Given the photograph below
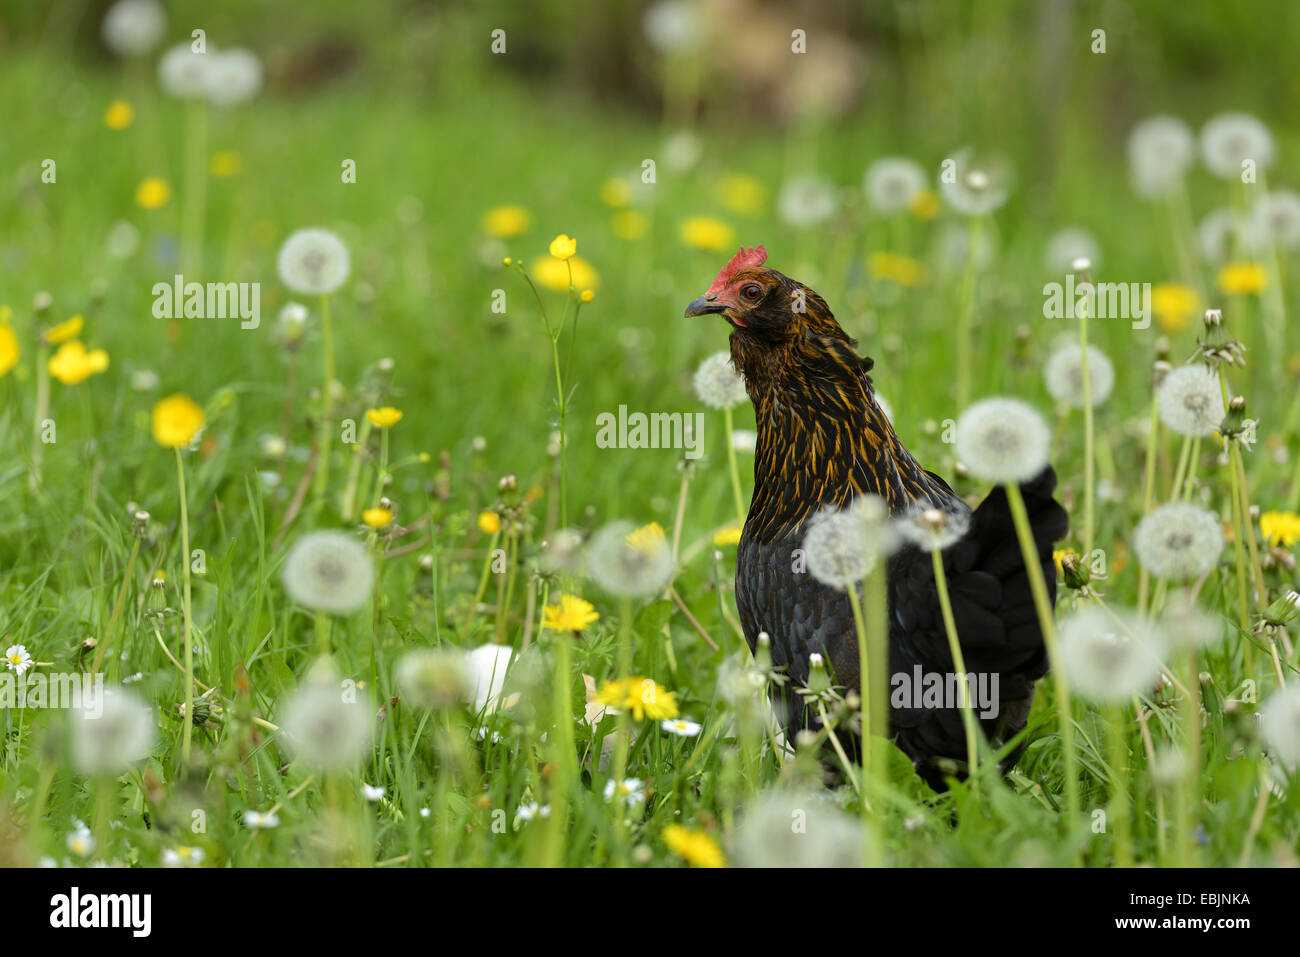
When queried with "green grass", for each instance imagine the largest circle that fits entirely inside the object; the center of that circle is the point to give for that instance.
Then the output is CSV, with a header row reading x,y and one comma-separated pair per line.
x,y
430,161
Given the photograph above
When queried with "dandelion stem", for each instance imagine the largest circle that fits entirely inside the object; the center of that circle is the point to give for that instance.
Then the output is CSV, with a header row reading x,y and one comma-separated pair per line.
x,y
1089,459
1149,494
188,613
959,664
42,411
1119,798
731,464
1257,818
325,427
964,316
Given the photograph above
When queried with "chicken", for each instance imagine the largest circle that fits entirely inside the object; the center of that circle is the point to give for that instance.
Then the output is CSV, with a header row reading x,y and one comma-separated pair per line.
x,y
823,441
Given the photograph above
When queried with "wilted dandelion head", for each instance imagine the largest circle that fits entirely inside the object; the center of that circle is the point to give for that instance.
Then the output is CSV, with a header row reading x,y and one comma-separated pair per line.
x,y
977,186
1003,440
1108,660
327,725
1230,139
1160,149
433,677
628,562
117,738
891,183
717,382
313,262
329,571
1179,541
233,76
929,527
1280,725
1064,374
797,829
184,73
1186,626
133,27
1190,400
1275,218
842,547
1067,246
806,201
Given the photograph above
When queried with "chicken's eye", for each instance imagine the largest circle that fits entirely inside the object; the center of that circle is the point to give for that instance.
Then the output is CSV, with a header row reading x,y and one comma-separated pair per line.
x,y
752,291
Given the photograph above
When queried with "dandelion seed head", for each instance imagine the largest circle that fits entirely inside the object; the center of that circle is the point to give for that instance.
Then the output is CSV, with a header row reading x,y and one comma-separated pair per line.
x,y
1187,627
1072,250
842,547
1229,139
1190,401
1179,541
1064,374
1108,660
1160,149
233,76
329,571
829,838
929,527
433,677
630,569
183,73
891,183
123,734
314,262
674,26
718,384
325,728
133,27
1280,725
1275,218
977,186
1003,440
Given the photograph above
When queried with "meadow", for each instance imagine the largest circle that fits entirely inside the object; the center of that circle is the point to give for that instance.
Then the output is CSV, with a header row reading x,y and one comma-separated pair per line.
x,y
365,584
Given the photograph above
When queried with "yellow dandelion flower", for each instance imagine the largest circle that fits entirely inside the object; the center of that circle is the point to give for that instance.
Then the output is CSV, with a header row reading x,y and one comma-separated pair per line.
x,y
489,522
1242,279
629,224
506,222
571,614
615,192
695,847
377,517
710,235
742,194
119,115
65,331
553,274
729,535
562,247
643,697
176,420
1057,556
152,193
587,295
73,364
896,267
647,538
924,205
1280,528
384,417
1174,304
225,164
9,349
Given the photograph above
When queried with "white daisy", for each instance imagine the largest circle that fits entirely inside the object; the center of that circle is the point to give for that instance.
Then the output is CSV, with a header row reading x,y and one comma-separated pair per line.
x,y
1064,374
372,792
1160,149
182,856
329,571
681,727
325,728
1179,541
1105,660
718,384
744,440
17,659
632,790
81,842
1003,440
314,262
257,820
891,183
1190,400
133,27
1230,139
532,811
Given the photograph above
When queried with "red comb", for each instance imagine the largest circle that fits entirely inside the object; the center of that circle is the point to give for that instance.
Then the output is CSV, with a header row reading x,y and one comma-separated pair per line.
x,y
744,259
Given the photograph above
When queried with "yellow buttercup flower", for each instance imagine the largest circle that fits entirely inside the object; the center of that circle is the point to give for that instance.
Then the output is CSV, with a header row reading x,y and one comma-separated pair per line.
x,y
1174,304
896,267
9,349
1280,528
615,192
506,222
695,847
571,614
65,331
710,235
924,205
647,538
176,420
377,517
586,296
225,164
1242,279
152,193
489,522
384,417
644,697
562,247
73,363
629,224
119,115
730,535
742,194
553,274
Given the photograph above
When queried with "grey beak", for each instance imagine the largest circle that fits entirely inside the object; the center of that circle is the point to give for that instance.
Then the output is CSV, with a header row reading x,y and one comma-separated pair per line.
x,y
704,306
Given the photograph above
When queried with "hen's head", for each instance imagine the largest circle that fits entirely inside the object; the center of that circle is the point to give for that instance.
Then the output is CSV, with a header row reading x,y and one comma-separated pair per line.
x,y
770,313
